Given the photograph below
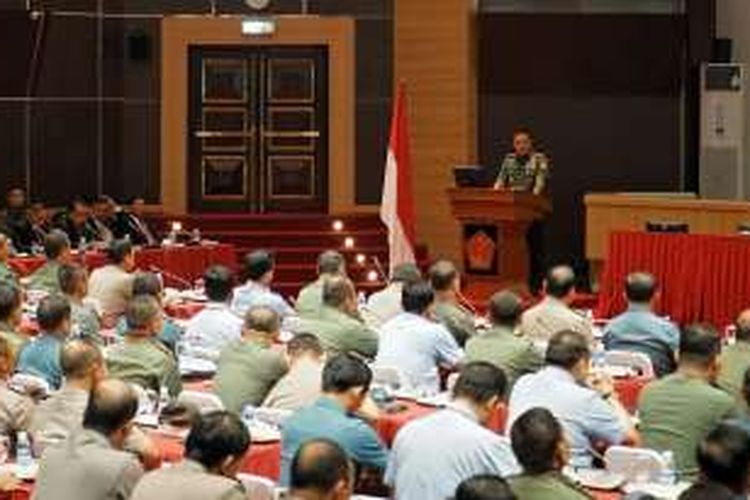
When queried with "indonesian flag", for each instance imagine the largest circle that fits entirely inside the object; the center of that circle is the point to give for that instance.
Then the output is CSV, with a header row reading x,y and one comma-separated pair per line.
x,y
397,204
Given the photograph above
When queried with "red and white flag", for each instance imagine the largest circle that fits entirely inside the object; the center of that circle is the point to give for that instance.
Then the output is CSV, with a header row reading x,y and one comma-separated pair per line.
x,y
397,204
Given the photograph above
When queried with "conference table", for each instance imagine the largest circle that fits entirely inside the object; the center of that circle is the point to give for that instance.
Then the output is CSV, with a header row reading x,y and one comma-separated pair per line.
x,y
180,265
702,278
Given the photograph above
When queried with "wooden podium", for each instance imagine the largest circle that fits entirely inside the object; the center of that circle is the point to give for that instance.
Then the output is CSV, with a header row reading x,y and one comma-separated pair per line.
x,y
494,226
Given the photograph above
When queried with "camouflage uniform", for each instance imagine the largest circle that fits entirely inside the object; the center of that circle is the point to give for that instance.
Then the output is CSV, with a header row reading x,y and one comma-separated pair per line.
x,y
524,174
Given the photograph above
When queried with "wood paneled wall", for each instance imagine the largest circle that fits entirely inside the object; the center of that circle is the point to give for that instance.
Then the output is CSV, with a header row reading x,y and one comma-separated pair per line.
x,y
435,56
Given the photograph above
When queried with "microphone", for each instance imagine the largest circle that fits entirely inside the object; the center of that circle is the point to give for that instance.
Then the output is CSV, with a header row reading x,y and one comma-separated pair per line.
x,y
379,269
466,303
170,276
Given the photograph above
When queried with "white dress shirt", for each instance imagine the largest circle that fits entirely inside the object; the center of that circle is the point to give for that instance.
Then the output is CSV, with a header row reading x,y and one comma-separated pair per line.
x,y
212,329
386,304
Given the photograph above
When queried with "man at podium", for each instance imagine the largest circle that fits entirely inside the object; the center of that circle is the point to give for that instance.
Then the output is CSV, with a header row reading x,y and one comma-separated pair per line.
x,y
524,169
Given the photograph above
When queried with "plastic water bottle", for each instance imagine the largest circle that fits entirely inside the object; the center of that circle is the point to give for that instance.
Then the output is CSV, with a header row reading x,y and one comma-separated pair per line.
x,y
361,301
668,474
24,457
248,414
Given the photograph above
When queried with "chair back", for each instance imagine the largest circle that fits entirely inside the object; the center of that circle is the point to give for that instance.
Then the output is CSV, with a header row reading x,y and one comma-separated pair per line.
x,y
258,487
273,416
637,465
390,376
631,359
204,402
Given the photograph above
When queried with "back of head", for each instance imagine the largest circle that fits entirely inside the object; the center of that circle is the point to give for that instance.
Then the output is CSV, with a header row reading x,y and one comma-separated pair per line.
x,y
52,312
71,276
479,382
724,457
344,372
256,264
417,297
535,438
484,487
566,349
561,280
320,466
55,243
331,263
699,345
218,282
262,319
215,437
337,290
147,284
640,287
119,250
304,344
505,309
78,358
742,326
112,405
141,312
443,275
406,273
10,300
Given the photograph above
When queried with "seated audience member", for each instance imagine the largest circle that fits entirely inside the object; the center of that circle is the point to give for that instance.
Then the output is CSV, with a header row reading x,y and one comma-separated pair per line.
x,y
214,453
84,319
735,359
7,275
346,380
248,368
386,303
724,460
216,326
553,313
321,471
589,414
742,418
676,412
91,463
484,487
446,281
257,275
112,285
500,345
16,220
151,285
57,252
11,316
76,222
16,409
39,217
41,356
140,232
540,447
300,387
103,218
310,299
432,455
415,345
339,325
640,330
141,358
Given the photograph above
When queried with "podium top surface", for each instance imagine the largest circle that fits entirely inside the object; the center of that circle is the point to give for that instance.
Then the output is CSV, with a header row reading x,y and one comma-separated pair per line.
x,y
497,204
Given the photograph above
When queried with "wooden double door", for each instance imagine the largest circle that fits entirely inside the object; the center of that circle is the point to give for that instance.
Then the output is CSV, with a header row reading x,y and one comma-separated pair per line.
x,y
258,131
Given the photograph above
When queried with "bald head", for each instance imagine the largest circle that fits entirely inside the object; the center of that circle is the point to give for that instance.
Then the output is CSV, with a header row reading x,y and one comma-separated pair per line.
x,y
505,309
443,276
331,263
262,320
560,281
321,469
640,287
79,359
111,407
742,325
338,291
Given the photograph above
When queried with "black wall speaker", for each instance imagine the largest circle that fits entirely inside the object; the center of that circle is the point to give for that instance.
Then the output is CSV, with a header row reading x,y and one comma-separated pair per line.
x,y
722,50
139,46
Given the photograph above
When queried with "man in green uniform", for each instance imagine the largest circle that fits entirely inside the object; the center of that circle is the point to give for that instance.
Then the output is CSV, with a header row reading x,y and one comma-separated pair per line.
x,y
735,359
446,281
310,299
57,252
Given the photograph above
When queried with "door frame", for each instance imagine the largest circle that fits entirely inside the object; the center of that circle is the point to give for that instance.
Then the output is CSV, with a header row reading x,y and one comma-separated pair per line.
x,y
178,33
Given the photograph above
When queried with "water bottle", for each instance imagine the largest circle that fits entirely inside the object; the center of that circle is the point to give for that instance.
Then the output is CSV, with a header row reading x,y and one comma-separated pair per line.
x,y
248,415
82,244
164,398
24,457
361,301
668,474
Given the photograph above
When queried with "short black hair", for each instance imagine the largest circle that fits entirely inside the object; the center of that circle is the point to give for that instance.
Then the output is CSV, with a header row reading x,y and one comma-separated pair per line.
x,y
484,487
566,348
442,275
331,262
505,308
69,275
640,287
10,300
262,319
257,264
55,243
319,465
141,311
112,405
216,436
479,382
218,282
78,356
343,372
119,250
147,283
52,311
336,290
535,436
699,344
724,456
561,280
302,343
417,297
406,273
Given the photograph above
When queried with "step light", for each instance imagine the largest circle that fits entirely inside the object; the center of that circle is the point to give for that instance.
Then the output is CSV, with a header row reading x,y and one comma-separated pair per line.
x,y
338,225
348,242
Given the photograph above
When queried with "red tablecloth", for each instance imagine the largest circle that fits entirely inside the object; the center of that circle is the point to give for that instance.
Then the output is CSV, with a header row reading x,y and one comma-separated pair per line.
x,y
701,277
187,263
629,389
184,310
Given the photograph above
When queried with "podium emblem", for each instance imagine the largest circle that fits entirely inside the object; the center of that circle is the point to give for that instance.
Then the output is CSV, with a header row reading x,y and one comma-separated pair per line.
x,y
480,249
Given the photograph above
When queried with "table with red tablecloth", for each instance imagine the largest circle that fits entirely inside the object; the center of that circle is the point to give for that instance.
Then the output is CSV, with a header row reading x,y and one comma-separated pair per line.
x,y
185,263
629,390
702,277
